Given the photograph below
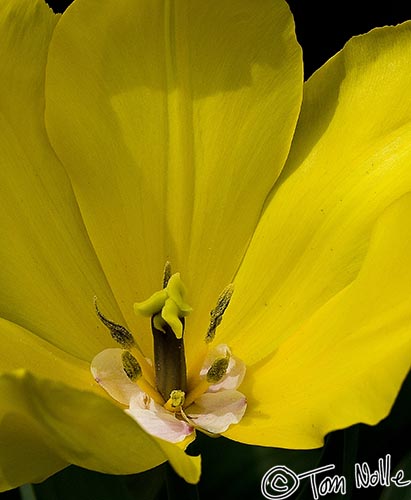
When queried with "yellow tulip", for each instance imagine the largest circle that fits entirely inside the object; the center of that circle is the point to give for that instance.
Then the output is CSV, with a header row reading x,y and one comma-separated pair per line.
x,y
136,132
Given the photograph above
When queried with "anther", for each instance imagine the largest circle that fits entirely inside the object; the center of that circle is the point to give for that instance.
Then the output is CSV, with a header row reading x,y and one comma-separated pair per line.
x,y
175,401
216,315
214,375
217,370
166,274
119,333
131,366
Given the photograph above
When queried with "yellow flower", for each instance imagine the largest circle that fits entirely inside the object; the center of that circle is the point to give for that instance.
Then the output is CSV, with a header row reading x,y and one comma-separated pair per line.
x,y
135,132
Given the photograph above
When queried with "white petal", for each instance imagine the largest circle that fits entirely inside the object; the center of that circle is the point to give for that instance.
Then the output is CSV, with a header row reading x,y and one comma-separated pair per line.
x,y
215,412
157,421
107,370
235,371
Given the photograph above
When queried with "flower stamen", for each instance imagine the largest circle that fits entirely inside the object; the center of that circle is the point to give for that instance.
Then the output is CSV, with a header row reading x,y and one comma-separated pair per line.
x,y
133,371
218,369
214,374
118,332
216,315
126,340
198,391
131,366
166,274
175,401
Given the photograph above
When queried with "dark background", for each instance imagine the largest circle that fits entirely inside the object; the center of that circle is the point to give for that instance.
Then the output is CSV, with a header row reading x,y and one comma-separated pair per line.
x,y
322,29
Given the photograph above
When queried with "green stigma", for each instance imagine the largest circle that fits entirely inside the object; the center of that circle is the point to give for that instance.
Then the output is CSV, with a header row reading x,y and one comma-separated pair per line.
x,y
167,307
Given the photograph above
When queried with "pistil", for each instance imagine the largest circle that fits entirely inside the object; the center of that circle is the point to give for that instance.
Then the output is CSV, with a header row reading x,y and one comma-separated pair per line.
x,y
169,360
167,310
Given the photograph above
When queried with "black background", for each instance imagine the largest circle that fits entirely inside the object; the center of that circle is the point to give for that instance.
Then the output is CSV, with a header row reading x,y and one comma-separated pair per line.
x,y
324,27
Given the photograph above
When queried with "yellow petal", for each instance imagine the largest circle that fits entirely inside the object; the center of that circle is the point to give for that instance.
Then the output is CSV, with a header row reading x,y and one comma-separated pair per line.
x,y
25,454
346,364
49,272
21,348
350,159
186,466
173,120
78,427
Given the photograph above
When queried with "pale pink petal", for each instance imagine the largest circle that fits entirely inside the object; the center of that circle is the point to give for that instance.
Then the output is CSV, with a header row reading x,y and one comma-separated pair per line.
x,y
107,370
235,371
157,421
215,412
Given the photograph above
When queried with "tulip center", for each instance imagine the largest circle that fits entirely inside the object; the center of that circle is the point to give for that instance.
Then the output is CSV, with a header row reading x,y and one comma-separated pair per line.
x,y
156,392
167,309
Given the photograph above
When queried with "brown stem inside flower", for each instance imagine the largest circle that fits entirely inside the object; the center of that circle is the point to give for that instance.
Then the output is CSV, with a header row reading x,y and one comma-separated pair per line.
x,y
169,360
